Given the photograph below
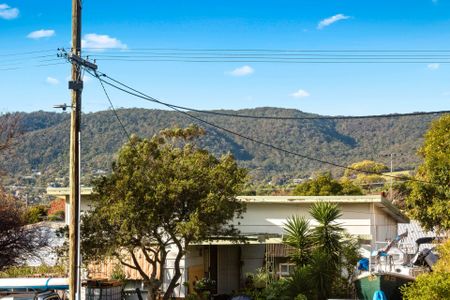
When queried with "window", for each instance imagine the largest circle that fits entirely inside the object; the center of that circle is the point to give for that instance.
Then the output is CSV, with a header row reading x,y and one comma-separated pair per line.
x,y
286,269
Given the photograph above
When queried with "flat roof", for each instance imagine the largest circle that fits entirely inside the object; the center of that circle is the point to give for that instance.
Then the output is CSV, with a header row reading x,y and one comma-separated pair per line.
x,y
378,200
312,199
65,191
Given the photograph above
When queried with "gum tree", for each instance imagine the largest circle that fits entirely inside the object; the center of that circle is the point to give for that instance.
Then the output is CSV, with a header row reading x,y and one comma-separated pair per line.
x,y
429,203
162,192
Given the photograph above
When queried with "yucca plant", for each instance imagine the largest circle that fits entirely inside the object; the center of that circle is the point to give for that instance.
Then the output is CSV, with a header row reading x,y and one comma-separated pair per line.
x,y
297,235
327,234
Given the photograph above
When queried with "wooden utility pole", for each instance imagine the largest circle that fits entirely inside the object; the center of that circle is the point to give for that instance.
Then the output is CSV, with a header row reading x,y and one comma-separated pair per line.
x,y
76,85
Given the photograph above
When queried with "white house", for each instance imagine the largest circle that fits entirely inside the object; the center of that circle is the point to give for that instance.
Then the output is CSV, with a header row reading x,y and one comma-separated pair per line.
x,y
371,218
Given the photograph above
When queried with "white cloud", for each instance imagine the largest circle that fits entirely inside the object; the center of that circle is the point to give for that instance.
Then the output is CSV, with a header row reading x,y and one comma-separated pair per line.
x,y
433,66
300,94
242,71
328,21
101,42
43,33
7,12
52,80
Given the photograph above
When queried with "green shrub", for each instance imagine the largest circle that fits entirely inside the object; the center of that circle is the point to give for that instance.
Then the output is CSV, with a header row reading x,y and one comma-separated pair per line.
x,y
57,216
35,214
118,273
434,285
28,271
428,287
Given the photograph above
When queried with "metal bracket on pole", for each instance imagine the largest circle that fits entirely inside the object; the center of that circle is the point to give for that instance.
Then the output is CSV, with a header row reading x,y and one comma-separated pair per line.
x,y
81,61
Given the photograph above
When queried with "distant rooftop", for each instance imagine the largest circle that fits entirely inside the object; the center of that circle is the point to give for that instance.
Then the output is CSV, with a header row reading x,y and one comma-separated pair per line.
x,y
65,191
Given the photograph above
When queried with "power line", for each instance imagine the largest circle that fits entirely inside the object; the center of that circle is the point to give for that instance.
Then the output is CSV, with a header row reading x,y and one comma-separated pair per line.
x,y
112,107
270,61
292,56
25,53
273,50
203,55
35,66
218,113
28,58
144,96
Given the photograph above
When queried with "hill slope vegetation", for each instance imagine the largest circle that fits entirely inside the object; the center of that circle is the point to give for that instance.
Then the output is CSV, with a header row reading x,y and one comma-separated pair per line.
x,y
44,143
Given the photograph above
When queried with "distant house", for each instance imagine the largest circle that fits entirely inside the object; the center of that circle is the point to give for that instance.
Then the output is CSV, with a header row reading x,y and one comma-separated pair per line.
x,y
371,218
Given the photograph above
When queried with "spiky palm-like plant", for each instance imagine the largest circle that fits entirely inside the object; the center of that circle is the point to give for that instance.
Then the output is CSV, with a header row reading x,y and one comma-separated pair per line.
x,y
297,235
327,238
327,234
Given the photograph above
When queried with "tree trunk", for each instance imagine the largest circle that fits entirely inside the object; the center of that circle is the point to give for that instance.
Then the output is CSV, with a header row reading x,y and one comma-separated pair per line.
x,y
151,287
177,275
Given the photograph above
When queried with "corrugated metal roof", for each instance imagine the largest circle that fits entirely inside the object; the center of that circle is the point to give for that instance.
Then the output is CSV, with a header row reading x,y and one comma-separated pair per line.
x,y
415,231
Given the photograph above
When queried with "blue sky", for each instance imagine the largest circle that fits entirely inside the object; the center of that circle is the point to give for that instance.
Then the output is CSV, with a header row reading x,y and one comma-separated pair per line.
x,y
333,89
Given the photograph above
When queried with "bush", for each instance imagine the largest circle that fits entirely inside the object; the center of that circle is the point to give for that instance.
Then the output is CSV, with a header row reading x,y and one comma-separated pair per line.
x,y
35,214
325,185
57,216
428,287
118,273
434,285
27,271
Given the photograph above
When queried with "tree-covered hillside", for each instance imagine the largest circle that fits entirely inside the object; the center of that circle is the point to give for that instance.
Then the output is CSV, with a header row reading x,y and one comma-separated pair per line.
x,y
44,143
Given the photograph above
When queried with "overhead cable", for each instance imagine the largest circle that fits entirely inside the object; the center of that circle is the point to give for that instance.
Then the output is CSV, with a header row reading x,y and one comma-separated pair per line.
x,y
112,106
218,113
129,90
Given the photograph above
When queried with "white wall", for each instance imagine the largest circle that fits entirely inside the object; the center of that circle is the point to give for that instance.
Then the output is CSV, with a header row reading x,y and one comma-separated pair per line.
x,y
270,217
386,227
85,205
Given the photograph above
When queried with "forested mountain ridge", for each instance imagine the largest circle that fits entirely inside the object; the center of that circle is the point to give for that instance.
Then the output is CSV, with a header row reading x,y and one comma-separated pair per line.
x,y
44,143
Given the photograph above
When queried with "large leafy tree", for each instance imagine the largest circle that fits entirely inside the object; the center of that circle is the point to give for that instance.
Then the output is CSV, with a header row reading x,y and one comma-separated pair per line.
x,y
325,185
366,173
433,285
429,203
163,193
365,166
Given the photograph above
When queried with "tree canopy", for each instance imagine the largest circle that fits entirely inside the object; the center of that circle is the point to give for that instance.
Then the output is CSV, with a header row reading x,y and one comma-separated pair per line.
x,y
18,242
325,185
366,173
42,146
433,285
365,166
429,203
162,192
